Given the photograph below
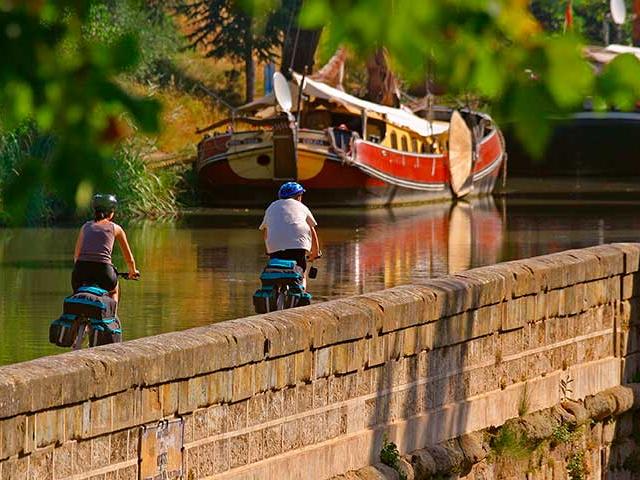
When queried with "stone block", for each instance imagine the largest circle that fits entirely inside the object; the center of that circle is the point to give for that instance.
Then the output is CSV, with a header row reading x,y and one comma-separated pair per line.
x,y
127,409
186,402
119,447
284,371
446,296
237,416
217,419
490,285
631,253
214,458
291,435
258,409
151,402
348,357
410,341
376,350
527,280
596,292
320,393
49,427
322,362
243,382
13,436
246,342
304,366
402,306
132,446
336,422
611,259
275,405
394,343
518,312
358,317
62,461
41,464
169,399
100,451
101,415
289,401
256,446
324,325
272,441
219,387
82,457
200,426
304,397
238,451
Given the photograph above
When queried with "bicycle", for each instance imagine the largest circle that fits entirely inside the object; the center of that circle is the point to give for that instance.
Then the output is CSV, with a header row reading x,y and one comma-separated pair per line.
x,y
282,286
89,311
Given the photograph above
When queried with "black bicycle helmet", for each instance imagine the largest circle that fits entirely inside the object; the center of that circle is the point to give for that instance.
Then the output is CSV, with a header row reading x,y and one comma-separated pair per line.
x,y
104,202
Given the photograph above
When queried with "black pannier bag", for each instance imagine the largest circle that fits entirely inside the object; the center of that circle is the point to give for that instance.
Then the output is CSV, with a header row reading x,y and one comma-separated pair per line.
x,y
92,307
281,282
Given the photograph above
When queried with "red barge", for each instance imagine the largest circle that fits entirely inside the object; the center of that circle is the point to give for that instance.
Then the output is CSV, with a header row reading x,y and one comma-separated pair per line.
x,y
347,152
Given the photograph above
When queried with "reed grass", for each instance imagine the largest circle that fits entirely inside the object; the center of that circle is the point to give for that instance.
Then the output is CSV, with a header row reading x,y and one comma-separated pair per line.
x,y
17,148
142,192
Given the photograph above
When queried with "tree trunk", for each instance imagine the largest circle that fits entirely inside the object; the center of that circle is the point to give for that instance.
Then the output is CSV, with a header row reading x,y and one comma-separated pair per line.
x,y
249,67
250,74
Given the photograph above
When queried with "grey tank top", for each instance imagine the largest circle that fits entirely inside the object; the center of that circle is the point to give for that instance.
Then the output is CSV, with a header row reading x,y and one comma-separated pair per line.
x,y
97,242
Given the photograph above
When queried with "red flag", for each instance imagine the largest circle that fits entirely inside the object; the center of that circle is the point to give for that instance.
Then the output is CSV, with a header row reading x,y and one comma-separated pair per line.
x,y
568,16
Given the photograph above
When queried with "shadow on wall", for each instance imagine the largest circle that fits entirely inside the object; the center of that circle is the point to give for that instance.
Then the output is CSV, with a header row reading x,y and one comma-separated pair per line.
x,y
620,455
435,383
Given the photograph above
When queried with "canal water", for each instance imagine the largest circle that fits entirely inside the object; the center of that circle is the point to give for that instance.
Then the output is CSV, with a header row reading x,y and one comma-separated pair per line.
x,y
206,268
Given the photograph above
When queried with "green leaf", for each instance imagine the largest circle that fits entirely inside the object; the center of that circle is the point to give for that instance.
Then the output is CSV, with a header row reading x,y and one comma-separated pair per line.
x,y
569,77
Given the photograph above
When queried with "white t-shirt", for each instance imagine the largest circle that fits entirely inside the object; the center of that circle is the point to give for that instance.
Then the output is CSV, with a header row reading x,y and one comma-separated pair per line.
x,y
288,225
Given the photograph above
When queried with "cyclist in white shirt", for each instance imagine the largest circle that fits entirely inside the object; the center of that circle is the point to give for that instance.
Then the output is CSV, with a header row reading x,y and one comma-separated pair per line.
x,y
290,228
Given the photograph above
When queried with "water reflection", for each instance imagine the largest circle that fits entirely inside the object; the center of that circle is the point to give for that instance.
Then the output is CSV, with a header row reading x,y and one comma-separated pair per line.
x,y
206,270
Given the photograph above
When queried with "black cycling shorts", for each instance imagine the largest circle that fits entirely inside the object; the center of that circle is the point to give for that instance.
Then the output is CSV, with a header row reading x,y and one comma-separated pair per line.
x,y
297,254
103,275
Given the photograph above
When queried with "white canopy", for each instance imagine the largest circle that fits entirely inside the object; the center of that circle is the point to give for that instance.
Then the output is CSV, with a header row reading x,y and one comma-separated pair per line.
x,y
397,116
606,54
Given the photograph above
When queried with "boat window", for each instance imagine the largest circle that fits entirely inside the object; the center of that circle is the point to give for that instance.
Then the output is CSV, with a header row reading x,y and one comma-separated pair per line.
x,y
405,147
394,141
414,145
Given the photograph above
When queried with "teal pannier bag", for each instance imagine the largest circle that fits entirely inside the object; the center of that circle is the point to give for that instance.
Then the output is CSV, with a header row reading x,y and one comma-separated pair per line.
x,y
89,307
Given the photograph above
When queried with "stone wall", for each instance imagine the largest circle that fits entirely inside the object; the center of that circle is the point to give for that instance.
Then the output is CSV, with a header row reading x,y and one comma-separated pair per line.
x,y
596,438
310,392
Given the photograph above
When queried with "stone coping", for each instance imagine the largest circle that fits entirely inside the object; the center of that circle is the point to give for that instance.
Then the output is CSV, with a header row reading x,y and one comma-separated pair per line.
x,y
74,377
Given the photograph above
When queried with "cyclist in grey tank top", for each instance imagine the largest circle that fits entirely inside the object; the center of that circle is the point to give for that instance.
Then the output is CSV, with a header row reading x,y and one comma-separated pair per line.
x,y
94,246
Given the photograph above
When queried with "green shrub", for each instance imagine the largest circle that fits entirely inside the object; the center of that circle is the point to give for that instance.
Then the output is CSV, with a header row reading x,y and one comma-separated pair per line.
x,y
390,456
20,150
158,37
575,467
562,433
510,442
142,192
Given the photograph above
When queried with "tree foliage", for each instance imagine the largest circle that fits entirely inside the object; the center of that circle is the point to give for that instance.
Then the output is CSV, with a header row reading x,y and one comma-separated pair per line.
x,y
495,49
234,29
592,20
62,80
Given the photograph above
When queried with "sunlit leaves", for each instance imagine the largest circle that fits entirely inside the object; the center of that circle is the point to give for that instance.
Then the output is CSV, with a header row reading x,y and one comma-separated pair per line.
x,y
619,83
61,79
495,49
569,78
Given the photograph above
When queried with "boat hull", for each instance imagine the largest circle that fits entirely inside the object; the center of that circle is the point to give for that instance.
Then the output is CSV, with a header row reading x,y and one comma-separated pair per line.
x,y
371,175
